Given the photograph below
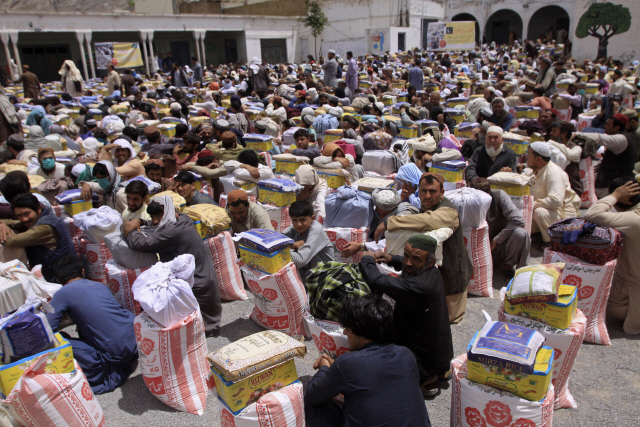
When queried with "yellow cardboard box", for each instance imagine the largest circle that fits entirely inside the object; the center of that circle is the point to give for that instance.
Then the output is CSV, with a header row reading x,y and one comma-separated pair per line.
x,y
259,145
267,263
449,175
270,196
333,178
365,84
206,232
240,394
167,129
333,135
77,207
557,314
527,114
356,116
63,120
195,121
59,361
518,147
532,387
513,190
387,101
592,88
406,132
287,167
452,104
458,117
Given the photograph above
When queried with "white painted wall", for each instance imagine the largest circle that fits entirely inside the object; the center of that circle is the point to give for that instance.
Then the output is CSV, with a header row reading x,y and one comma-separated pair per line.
x,y
622,46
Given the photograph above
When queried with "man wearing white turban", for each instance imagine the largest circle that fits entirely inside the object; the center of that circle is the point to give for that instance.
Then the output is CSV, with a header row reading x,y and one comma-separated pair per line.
x,y
71,79
553,197
123,156
492,157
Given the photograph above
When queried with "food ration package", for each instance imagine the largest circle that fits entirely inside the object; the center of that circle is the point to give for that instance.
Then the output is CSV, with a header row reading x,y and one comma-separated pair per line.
x,y
267,241
506,346
536,283
26,331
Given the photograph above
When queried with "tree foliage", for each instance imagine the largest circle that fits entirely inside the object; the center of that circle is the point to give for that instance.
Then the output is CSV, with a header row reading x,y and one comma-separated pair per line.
x,y
609,17
316,18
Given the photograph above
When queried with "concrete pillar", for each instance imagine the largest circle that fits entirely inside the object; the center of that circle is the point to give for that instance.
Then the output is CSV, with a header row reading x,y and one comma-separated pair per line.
x,y
151,57
5,42
16,54
204,57
87,38
196,36
143,36
80,37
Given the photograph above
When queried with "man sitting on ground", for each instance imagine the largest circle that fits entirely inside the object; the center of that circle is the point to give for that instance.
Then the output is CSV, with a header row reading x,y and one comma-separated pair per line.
x,y
373,365
48,168
311,244
137,192
421,319
43,235
302,138
246,215
492,157
186,187
106,348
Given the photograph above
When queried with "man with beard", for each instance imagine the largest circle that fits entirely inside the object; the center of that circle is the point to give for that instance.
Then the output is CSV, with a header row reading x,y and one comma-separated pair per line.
x,y
137,192
190,145
492,157
421,319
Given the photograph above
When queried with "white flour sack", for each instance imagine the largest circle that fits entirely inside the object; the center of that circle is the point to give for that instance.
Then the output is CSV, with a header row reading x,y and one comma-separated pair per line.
x,y
96,255
594,284
341,236
173,361
279,299
472,205
120,280
279,216
477,405
42,399
97,223
282,408
566,344
327,335
476,241
225,263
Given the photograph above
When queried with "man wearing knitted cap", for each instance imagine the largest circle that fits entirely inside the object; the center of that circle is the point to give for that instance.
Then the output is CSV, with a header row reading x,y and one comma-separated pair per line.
x,y
438,212
492,157
246,215
421,319
48,168
227,149
552,194
618,159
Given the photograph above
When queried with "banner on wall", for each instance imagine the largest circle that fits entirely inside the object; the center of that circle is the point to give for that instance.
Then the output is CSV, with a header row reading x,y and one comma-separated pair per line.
x,y
378,41
120,55
451,35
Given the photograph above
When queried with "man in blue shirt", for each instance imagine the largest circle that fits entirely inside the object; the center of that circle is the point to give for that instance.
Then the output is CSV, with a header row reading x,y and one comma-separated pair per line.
x,y
380,381
416,76
106,348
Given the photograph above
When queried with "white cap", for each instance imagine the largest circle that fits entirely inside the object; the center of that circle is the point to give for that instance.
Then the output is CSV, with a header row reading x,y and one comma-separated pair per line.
x,y
495,129
332,51
542,148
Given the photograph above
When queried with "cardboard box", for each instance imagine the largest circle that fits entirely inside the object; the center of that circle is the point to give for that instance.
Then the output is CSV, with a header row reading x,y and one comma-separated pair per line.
x,y
518,147
77,207
532,387
240,394
513,190
195,121
365,84
557,314
206,232
528,114
59,361
259,142
333,135
333,177
368,185
458,116
592,88
167,129
455,102
387,101
267,263
406,132
356,116
278,198
449,175
287,167
63,120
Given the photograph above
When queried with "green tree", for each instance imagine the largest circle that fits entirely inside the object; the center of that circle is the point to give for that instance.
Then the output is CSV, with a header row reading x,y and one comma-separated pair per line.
x,y
610,18
316,20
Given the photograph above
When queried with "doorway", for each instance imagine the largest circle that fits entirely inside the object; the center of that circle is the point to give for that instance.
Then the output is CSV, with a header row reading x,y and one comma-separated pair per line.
x,y
180,53
45,61
230,51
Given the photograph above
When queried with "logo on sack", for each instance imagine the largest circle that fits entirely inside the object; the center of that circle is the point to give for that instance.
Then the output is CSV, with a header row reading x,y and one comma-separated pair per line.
x,y
114,285
155,385
270,294
341,244
327,341
331,235
86,392
146,346
253,285
92,256
136,329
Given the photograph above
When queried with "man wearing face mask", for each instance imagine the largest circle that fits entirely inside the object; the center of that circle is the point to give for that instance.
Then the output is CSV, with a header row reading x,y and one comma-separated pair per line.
x,y
492,157
48,168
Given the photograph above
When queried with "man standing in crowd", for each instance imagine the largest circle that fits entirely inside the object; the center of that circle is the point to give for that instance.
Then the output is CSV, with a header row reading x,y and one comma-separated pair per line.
x,y
352,74
330,68
30,83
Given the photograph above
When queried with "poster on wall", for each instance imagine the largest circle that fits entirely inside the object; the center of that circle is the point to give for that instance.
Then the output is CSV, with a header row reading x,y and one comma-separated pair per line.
x,y
120,55
451,35
378,41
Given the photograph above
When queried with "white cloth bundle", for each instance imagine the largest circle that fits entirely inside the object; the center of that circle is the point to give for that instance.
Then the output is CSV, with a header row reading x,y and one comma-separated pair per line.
x,y
18,284
472,206
124,255
97,223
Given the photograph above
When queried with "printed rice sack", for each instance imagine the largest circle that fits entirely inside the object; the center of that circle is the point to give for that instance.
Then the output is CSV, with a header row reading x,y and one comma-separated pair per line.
x,y
279,299
284,407
41,399
584,121
477,405
97,255
26,331
525,205
594,284
225,263
340,237
588,179
327,335
119,280
476,241
566,344
173,361
536,283
472,204
280,218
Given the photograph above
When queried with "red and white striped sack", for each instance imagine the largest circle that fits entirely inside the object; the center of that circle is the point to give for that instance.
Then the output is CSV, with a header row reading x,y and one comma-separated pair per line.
x,y
341,236
173,361
282,408
525,205
584,121
97,256
476,241
565,114
327,335
280,299
588,178
565,342
74,232
594,285
42,399
119,280
279,216
206,189
267,157
228,278
475,405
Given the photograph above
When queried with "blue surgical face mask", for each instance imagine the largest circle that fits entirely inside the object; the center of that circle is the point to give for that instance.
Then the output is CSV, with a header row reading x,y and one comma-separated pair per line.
x,y
48,163
103,183
581,91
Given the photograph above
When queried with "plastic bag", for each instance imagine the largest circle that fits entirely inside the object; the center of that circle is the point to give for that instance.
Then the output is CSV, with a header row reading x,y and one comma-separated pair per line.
x,y
162,295
97,223
26,331
124,255
348,208
472,205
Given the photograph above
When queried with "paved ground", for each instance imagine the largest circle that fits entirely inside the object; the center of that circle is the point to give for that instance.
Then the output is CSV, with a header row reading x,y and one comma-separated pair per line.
x,y
605,380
